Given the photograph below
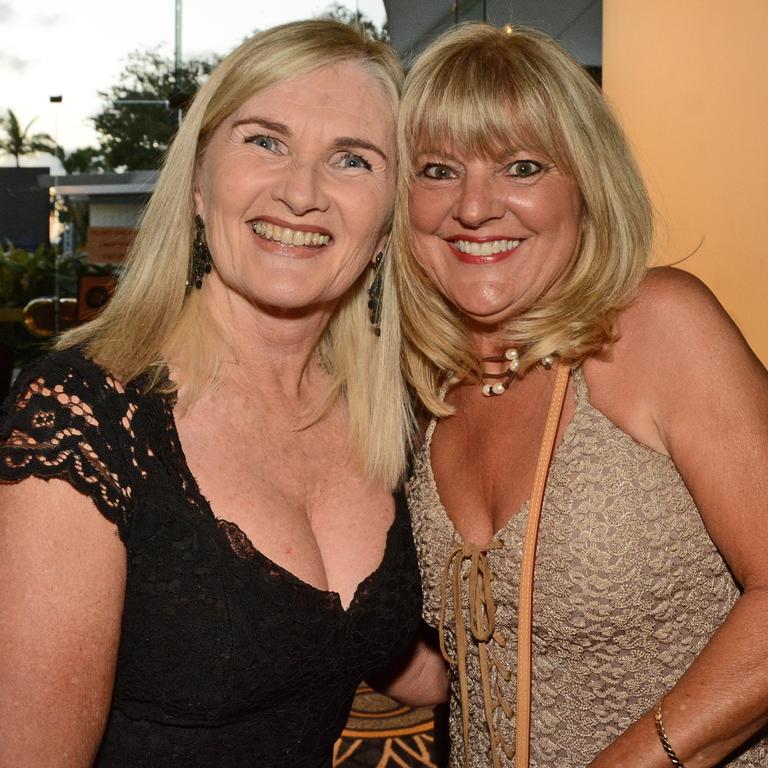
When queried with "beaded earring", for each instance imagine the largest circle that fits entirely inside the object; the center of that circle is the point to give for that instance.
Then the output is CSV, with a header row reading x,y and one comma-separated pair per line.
x,y
200,261
374,294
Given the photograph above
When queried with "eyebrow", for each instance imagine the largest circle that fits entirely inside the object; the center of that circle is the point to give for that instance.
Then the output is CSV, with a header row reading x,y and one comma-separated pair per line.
x,y
342,142
350,142
271,125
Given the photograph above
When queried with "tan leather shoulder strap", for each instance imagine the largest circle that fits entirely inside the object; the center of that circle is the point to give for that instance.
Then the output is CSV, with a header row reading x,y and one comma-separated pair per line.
x,y
525,614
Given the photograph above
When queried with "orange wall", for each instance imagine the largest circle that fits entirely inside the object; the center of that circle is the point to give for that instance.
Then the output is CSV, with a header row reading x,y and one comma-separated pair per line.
x,y
689,81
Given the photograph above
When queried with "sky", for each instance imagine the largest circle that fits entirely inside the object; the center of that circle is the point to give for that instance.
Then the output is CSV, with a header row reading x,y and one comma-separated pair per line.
x,y
76,48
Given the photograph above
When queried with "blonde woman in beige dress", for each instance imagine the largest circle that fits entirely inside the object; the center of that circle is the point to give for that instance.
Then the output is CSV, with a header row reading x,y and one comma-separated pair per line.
x,y
523,236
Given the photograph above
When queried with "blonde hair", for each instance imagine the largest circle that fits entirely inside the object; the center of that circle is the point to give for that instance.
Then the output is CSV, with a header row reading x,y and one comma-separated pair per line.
x,y
484,91
151,317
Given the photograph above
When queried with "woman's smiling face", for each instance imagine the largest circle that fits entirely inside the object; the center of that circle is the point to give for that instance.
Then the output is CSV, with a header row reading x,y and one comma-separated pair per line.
x,y
296,188
493,234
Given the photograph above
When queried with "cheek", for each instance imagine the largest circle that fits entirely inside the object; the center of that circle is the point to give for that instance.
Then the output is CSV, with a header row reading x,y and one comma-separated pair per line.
x,y
427,210
365,210
564,211
425,254
230,184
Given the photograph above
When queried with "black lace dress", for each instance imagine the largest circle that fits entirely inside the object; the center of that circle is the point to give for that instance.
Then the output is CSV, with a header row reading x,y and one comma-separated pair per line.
x,y
226,659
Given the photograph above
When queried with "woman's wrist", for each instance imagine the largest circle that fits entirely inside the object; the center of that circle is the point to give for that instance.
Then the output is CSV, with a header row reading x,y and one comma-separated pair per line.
x,y
658,720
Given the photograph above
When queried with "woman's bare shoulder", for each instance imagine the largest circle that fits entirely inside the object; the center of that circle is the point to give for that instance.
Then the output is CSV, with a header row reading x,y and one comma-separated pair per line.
x,y
675,345
674,319
670,299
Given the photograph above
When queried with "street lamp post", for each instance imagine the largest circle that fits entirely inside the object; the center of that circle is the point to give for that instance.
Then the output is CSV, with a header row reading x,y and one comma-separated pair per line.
x,y
178,36
56,257
178,51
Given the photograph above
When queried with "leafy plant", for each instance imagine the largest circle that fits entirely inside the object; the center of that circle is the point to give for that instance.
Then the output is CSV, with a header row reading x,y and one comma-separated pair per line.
x,y
141,112
27,275
18,141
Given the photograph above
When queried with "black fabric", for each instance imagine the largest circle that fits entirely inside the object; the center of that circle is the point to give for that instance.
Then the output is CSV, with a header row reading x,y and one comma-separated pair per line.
x,y
226,659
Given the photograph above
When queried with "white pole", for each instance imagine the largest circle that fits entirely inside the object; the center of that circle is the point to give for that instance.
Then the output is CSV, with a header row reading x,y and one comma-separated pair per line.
x,y
178,50
178,35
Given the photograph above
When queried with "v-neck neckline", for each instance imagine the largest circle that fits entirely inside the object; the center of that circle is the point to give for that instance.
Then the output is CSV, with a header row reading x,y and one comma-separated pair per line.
x,y
195,492
521,513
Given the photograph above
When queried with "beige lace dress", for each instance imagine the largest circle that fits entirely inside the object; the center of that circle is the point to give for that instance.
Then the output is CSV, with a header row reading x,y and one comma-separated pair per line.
x,y
628,590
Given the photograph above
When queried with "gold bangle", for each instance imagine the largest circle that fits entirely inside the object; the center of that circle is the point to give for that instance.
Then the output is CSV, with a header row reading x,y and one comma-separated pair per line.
x,y
674,759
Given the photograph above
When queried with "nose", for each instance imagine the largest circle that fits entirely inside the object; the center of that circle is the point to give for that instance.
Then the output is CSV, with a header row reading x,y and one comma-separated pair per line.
x,y
477,201
301,188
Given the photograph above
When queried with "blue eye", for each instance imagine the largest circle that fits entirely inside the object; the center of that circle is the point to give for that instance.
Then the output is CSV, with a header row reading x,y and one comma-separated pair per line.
x,y
525,168
437,171
269,143
348,160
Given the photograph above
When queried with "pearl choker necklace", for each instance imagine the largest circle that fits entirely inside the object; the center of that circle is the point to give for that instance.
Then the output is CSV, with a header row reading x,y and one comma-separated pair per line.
x,y
512,357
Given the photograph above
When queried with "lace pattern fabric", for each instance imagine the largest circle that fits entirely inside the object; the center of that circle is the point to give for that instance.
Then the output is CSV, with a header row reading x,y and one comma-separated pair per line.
x,y
628,590
53,431
225,658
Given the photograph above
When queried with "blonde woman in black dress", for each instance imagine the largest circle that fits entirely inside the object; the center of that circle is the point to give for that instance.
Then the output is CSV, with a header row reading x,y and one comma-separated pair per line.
x,y
200,554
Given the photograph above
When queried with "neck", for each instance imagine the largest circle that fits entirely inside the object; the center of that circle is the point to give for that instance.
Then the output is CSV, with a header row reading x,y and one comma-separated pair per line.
x,y
488,341
270,352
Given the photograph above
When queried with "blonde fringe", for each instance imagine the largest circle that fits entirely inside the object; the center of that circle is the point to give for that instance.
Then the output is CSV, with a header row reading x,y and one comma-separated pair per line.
x,y
562,114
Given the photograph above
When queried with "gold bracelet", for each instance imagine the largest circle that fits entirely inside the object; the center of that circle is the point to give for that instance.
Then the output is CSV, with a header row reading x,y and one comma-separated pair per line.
x,y
674,759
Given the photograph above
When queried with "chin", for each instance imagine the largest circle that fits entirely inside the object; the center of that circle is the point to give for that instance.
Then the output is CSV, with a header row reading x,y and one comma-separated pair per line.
x,y
487,312
287,309
278,293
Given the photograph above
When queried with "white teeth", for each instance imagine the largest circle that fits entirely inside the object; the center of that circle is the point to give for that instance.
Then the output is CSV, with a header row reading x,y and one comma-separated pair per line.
x,y
288,236
485,249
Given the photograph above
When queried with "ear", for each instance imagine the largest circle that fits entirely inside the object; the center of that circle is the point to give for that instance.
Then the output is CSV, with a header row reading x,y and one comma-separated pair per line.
x,y
197,193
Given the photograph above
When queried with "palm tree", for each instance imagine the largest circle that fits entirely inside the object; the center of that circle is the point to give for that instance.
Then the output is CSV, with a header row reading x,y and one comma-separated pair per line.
x,y
19,141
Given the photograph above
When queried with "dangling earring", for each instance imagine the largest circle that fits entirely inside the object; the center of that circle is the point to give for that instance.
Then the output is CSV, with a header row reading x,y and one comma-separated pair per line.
x,y
374,294
200,261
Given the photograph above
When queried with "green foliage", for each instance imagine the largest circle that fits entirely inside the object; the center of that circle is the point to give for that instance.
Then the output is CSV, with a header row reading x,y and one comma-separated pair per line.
x,y
17,141
356,19
81,160
135,136
27,275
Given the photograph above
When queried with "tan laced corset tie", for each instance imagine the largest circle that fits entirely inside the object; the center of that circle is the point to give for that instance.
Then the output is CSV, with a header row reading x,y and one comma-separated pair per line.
x,y
482,625
482,611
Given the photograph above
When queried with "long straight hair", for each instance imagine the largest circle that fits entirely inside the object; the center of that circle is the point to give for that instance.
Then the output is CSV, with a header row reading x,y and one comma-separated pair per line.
x,y
151,317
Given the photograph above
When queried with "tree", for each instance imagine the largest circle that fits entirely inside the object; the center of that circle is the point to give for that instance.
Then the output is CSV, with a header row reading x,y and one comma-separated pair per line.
x,y
356,19
81,160
18,141
141,112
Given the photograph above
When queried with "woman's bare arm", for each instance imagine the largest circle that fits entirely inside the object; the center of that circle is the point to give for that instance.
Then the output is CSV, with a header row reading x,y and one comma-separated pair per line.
x,y
62,571
420,677
707,395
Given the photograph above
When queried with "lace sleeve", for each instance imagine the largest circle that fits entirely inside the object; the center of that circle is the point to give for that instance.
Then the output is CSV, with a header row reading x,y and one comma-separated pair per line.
x,y
63,420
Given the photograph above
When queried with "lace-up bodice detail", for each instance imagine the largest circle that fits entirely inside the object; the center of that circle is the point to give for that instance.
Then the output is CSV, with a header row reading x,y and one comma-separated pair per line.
x,y
628,590
225,659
